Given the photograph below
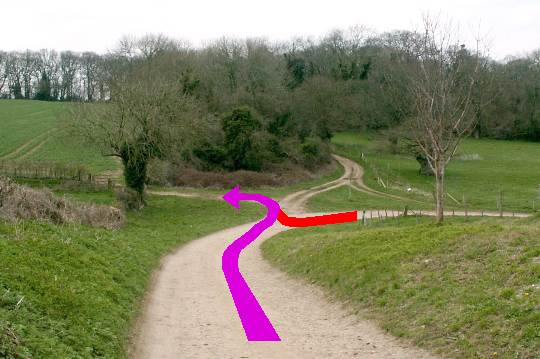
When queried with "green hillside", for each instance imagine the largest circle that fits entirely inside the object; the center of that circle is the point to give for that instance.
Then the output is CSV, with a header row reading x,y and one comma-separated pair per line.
x,y
36,131
480,170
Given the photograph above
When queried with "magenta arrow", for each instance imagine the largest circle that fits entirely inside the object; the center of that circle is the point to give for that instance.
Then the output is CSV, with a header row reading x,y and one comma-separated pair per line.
x,y
256,324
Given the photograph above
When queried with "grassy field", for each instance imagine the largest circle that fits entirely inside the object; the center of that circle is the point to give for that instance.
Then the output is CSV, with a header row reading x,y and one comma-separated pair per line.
x,y
73,291
345,199
34,131
481,169
466,290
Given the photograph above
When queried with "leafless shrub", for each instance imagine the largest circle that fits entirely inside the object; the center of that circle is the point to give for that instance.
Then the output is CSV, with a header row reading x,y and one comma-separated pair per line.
x,y
20,202
129,198
194,178
276,176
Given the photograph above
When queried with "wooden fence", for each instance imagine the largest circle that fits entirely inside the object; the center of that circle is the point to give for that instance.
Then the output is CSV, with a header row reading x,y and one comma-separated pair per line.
x,y
44,170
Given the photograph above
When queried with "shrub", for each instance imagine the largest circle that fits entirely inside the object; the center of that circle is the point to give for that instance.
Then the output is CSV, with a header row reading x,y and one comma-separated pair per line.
x,y
212,156
158,172
21,202
129,198
189,177
239,127
314,152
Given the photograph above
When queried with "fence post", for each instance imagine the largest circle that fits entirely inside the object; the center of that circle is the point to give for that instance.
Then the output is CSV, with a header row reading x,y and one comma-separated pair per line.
x,y
350,186
500,202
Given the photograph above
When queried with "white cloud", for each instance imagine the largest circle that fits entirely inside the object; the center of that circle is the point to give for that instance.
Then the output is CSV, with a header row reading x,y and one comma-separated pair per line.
x,y
96,25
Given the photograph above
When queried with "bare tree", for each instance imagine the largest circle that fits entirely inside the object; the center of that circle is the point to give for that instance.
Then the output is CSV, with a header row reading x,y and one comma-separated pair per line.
x,y
89,67
4,71
30,72
442,75
146,118
69,67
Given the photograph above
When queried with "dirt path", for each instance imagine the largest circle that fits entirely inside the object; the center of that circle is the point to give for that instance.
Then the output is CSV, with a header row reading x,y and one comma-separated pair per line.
x,y
189,312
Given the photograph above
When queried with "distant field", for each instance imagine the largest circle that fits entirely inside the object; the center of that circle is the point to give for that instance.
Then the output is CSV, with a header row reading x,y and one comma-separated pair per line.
x,y
33,131
480,170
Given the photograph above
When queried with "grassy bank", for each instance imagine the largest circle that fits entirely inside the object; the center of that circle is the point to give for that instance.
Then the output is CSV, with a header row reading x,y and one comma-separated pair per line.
x,y
465,290
73,291
480,171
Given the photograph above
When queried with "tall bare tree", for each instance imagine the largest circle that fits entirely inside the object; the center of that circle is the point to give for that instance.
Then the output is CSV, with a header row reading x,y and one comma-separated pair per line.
x,y
147,117
442,75
4,71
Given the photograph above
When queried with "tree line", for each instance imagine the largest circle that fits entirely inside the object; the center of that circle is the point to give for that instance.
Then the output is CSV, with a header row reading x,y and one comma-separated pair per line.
x,y
251,104
332,83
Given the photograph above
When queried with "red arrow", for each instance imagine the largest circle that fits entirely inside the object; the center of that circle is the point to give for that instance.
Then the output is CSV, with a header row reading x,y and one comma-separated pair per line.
x,y
317,220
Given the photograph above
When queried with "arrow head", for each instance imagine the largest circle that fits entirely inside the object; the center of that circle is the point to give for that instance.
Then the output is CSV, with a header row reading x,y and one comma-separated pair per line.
x,y
233,197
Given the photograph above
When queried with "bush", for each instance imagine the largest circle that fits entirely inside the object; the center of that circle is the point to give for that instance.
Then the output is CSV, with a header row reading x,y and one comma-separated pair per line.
x,y
189,177
314,152
212,156
239,127
21,202
158,172
130,198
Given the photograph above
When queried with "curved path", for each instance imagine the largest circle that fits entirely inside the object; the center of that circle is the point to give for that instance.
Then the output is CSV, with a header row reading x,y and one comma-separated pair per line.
x,y
189,312
353,176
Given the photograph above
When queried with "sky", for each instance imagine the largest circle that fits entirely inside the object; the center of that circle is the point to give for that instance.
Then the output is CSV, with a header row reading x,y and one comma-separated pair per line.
x,y
508,27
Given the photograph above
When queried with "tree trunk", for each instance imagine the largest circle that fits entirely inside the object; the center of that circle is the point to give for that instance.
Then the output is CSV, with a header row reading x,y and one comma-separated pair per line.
x,y
425,169
439,192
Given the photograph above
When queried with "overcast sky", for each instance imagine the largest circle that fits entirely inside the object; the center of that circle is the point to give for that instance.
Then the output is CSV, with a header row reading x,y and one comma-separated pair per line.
x,y
512,26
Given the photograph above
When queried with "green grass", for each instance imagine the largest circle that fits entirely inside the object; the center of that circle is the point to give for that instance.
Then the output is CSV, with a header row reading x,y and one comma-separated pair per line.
x,y
73,291
345,199
509,166
25,122
21,121
67,149
466,290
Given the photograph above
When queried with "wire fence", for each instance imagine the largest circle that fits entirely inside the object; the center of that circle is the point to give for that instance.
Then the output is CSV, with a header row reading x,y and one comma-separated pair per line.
x,y
53,171
498,200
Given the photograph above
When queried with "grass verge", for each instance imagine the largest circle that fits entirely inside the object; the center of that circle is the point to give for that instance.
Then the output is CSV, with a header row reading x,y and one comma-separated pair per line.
x,y
73,291
465,290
